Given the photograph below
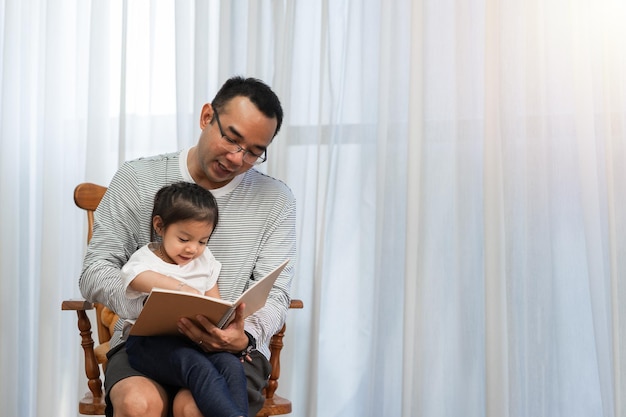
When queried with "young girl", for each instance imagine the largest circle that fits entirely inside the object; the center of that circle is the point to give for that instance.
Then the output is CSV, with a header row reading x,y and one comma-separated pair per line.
x,y
184,217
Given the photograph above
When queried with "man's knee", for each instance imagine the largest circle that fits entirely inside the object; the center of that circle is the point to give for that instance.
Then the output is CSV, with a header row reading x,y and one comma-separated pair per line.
x,y
138,397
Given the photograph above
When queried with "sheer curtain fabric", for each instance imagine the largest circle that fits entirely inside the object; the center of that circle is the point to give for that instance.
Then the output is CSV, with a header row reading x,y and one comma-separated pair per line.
x,y
458,165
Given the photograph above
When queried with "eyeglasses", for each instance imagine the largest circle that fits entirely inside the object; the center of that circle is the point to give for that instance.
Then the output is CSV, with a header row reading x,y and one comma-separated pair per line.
x,y
231,146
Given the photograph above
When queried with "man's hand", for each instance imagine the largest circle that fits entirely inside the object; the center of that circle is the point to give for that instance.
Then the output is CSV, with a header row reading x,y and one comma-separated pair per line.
x,y
212,339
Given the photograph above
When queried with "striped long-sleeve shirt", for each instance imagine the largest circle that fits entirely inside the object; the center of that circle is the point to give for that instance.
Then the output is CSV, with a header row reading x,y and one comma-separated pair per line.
x,y
255,233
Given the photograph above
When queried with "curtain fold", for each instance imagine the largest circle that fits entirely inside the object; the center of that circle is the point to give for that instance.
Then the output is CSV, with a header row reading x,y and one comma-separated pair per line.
x,y
459,169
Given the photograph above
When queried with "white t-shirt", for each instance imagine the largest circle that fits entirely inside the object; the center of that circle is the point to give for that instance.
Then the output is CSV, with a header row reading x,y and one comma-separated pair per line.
x,y
201,273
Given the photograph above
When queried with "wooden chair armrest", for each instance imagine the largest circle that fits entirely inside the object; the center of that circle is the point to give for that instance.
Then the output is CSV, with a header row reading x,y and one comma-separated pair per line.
x,y
76,305
92,370
276,346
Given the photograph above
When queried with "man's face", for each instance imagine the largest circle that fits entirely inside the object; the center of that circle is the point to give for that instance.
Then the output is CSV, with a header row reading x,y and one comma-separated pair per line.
x,y
214,166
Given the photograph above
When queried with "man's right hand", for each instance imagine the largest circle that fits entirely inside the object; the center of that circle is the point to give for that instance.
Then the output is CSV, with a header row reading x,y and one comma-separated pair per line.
x,y
231,338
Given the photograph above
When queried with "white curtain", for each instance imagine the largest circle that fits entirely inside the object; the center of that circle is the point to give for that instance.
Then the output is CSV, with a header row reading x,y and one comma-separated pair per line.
x,y
459,168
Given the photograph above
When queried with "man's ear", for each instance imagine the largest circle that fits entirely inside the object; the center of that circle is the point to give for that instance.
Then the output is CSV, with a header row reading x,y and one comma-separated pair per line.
x,y
206,115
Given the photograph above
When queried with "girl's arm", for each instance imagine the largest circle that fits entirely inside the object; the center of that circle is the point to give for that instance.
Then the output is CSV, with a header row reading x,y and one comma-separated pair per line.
x,y
147,280
213,292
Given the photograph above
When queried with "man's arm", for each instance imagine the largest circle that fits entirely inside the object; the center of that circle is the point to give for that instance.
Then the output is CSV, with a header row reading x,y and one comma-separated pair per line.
x,y
117,234
280,245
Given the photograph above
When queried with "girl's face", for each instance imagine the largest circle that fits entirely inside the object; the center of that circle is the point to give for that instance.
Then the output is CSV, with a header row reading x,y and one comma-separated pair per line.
x,y
183,241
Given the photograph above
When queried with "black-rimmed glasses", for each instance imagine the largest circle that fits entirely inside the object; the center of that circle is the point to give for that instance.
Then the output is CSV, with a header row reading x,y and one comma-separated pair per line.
x,y
231,146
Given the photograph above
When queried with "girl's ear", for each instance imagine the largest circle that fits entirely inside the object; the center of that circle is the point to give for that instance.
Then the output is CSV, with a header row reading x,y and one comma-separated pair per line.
x,y
157,224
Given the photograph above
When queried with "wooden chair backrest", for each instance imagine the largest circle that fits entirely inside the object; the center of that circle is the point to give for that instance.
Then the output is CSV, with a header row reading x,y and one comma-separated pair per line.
x,y
87,196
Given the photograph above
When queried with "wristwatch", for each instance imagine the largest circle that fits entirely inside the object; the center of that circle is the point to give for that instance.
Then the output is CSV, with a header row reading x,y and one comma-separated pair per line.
x,y
251,345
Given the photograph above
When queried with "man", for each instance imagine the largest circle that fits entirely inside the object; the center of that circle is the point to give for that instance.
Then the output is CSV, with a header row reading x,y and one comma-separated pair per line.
x,y
256,232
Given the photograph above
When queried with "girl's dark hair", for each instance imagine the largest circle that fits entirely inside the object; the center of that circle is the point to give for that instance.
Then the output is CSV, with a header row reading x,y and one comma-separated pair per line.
x,y
256,91
183,201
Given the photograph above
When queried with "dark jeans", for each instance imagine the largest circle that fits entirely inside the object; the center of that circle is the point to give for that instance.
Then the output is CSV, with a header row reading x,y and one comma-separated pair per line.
x,y
216,380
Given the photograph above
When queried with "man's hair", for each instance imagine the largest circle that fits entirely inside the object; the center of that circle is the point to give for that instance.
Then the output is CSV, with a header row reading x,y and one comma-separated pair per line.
x,y
256,91
182,201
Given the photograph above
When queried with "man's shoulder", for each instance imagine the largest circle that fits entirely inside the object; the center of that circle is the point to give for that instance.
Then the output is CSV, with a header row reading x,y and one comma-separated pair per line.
x,y
154,159
153,167
144,176
267,183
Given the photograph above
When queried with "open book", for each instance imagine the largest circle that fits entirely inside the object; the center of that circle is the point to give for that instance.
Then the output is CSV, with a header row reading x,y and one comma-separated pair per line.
x,y
163,308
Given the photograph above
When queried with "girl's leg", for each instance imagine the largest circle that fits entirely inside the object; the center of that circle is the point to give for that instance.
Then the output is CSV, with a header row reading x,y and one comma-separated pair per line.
x,y
231,369
175,361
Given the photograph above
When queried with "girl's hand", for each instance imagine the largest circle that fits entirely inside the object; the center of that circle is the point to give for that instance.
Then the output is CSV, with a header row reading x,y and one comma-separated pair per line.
x,y
186,288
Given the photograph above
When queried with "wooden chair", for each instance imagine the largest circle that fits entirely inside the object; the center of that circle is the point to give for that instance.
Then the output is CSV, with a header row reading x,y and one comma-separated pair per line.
x,y
87,196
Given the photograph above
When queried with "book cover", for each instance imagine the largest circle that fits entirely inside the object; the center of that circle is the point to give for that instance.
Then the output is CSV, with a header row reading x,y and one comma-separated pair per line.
x,y
163,308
